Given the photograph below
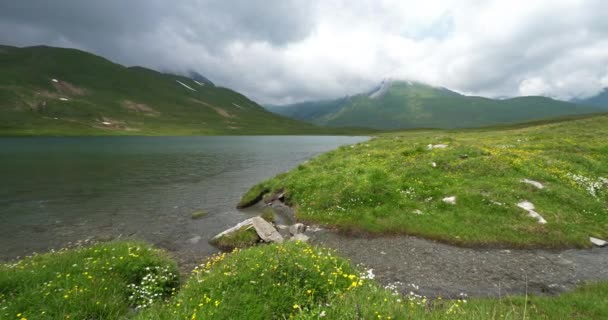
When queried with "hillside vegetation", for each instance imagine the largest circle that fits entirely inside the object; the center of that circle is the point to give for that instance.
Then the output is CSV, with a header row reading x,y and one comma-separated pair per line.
x,y
462,186
402,105
54,91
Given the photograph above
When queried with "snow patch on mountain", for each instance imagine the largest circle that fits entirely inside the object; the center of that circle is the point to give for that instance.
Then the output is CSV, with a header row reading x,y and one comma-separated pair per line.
x,y
185,85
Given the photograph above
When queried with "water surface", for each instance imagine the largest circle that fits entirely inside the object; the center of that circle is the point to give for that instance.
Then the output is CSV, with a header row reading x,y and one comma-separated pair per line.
x,y
54,191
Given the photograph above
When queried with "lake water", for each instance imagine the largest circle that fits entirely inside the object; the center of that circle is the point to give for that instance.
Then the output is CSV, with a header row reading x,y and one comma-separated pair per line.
x,y
54,191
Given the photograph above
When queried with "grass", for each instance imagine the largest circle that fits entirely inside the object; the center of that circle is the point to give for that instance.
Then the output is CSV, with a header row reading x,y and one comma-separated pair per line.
x,y
243,238
199,214
268,215
370,301
390,186
105,281
131,101
292,280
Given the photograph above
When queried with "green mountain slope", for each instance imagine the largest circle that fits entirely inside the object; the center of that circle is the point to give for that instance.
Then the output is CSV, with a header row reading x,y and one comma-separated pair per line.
x,y
600,100
54,91
399,105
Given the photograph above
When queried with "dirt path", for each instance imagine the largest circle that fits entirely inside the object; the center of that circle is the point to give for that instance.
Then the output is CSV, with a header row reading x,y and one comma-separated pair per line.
x,y
433,269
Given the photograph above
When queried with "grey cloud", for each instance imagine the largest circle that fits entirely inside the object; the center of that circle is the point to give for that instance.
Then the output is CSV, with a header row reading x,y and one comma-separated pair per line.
x,y
291,50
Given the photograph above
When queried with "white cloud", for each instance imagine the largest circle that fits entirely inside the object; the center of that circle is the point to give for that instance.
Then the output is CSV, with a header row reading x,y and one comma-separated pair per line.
x,y
287,51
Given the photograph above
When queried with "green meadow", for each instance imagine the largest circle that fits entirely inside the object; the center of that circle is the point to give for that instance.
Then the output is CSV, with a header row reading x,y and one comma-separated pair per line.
x,y
126,280
398,184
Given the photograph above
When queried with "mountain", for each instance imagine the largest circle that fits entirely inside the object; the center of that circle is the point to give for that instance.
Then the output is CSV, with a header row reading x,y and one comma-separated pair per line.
x,y
600,100
407,104
199,79
56,91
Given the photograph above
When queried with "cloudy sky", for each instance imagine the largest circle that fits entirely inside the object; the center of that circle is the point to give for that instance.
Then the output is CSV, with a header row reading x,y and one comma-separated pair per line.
x,y
280,51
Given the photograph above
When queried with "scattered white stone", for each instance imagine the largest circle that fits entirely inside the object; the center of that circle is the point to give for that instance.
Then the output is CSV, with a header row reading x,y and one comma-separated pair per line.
x,y
55,118
497,203
534,183
107,123
417,211
297,229
526,205
313,229
598,242
436,146
54,80
434,164
185,85
529,206
64,99
199,83
449,200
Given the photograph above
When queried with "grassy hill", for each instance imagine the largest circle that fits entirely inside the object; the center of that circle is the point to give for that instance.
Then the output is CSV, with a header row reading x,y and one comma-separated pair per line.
x,y
396,184
402,105
55,91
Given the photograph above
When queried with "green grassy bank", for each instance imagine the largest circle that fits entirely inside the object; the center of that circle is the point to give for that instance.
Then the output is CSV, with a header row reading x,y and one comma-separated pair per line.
x,y
395,184
125,280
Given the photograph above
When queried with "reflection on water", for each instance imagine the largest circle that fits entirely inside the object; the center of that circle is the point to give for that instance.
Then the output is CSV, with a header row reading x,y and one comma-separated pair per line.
x,y
57,190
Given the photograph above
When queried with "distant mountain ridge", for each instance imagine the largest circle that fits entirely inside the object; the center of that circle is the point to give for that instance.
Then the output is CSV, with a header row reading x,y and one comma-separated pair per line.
x,y
600,99
56,91
410,104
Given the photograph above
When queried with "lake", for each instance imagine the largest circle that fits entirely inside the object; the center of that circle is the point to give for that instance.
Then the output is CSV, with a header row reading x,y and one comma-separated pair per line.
x,y
55,191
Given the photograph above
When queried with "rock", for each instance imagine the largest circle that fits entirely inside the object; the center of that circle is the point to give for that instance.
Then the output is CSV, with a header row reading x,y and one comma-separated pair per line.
x,y
534,183
434,164
279,195
198,214
297,229
266,231
598,242
240,226
436,146
300,237
529,206
194,240
314,229
449,200
281,227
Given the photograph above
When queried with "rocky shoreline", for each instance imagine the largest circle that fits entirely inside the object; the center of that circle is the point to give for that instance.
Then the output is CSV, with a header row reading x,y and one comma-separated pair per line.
x,y
412,265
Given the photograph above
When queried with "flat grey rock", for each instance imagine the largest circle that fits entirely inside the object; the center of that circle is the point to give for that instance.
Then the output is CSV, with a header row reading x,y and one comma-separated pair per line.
x,y
266,231
244,224
598,242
